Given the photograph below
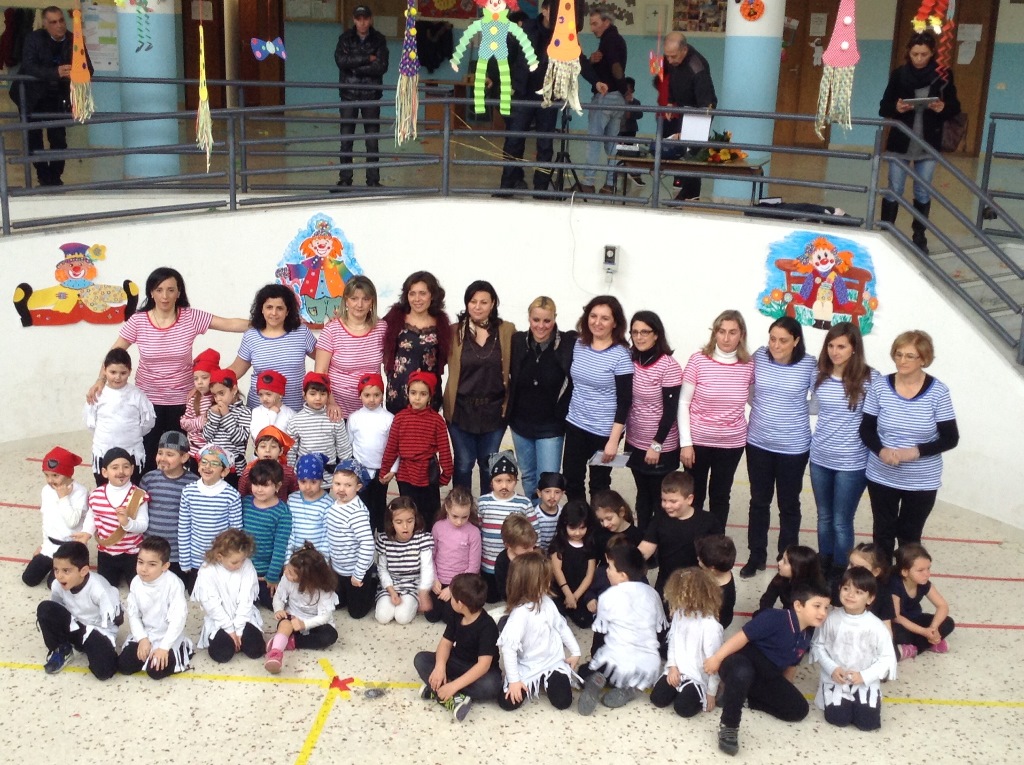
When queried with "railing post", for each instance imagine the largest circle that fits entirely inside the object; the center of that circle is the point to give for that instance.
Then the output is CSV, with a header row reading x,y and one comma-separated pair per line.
x,y
23,114
659,123
990,144
876,167
1020,342
232,181
446,142
241,136
5,203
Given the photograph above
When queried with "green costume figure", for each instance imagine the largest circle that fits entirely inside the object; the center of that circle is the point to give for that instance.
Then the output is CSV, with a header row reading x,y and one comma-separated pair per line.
x,y
494,29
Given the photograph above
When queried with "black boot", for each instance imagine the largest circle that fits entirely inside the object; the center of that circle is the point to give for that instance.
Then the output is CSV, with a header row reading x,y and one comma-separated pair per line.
x,y
920,241
890,209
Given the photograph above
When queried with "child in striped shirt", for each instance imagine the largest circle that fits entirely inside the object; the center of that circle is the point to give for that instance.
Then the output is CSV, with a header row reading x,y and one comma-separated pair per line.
x,y
271,444
268,520
495,507
309,506
550,490
313,430
208,507
227,421
199,402
405,564
351,540
119,512
164,487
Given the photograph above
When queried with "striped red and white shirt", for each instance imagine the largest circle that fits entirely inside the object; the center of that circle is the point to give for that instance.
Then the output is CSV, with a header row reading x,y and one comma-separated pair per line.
x,y
164,373
649,405
103,505
717,409
352,357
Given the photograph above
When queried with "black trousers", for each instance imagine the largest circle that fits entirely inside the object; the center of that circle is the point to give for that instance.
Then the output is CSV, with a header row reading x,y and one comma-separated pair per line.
x,y
358,600
128,663
580,446
749,676
559,692
720,464
188,578
685,701
493,596
167,418
442,609
49,173
375,497
487,688
901,635
263,597
114,568
772,474
55,624
863,716
318,638
899,514
371,125
427,499
38,569
522,118
580,616
222,647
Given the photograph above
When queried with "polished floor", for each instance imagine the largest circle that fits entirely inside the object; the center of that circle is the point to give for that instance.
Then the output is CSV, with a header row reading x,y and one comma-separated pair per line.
x,y
357,701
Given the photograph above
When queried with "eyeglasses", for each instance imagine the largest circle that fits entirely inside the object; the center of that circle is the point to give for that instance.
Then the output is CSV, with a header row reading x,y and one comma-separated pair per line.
x,y
641,332
899,356
211,463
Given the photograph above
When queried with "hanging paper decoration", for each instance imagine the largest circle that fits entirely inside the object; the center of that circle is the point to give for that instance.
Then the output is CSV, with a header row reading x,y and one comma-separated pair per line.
x,y
82,104
494,28
264,49
561,81
840,60
937,16
407,96
752,10
204,122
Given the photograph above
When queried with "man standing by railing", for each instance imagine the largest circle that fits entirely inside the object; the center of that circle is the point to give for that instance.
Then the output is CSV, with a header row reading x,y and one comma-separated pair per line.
x,y
606,71
362,59
47,57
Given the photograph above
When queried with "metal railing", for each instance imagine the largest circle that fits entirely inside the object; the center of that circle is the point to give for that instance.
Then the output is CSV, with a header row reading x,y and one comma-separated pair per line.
x,y
278,154
990,156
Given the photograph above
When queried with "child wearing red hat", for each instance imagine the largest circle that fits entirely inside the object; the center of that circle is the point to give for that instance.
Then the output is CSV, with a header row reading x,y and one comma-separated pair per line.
x,y
199,403
271,444
270,387
419,439
227,421
63,506
368,428
313,430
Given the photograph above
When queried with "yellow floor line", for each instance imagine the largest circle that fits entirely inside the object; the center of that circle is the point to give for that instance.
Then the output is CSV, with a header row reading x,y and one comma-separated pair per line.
x,y
321,716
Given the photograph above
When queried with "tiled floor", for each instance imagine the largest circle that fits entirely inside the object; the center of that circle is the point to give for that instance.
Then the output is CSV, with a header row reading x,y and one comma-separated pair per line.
x,y
965,706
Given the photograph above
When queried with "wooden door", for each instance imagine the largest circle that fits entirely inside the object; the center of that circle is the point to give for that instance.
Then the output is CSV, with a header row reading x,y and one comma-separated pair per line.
x,y
800,70
971,78
213,42
263,19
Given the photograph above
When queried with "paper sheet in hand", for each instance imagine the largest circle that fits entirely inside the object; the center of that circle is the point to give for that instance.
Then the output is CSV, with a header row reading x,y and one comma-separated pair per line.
x,y
619,461
696,127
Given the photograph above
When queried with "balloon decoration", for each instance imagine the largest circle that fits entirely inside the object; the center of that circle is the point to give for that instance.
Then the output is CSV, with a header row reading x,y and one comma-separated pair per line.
x,y
561,81
840,60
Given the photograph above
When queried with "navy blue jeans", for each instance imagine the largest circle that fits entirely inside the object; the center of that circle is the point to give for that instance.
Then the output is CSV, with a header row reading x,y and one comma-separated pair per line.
x,y
472,448
837,494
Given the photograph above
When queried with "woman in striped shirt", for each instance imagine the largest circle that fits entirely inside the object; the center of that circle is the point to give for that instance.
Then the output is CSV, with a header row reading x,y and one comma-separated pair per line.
x,y
712,413
278,340
908,423
164,329
779,437
351,346
838,456
652,435
602,375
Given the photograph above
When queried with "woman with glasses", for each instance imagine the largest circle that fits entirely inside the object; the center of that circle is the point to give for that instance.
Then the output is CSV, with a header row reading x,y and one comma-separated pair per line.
x,y
908,422
652,435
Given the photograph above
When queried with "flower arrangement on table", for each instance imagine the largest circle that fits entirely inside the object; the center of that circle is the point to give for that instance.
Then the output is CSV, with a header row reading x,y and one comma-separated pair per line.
x,y
718,156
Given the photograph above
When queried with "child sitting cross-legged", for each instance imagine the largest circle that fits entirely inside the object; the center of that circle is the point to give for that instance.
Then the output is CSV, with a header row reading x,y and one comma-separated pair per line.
x,y
519,538
157,612
464,668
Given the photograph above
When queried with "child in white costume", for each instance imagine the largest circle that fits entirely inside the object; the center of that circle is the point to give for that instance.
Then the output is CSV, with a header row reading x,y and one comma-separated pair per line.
x,y
535,637
121,415
855,653
630,616
62,505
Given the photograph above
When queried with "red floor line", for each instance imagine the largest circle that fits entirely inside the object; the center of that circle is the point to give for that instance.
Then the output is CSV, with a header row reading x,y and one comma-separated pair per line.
x,y
868,535
15,504
959,625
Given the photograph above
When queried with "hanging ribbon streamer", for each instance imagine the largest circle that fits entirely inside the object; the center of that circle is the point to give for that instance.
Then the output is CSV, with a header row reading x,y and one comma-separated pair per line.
x,y
204,122
561,80
937,16
840,60
407,97
82,104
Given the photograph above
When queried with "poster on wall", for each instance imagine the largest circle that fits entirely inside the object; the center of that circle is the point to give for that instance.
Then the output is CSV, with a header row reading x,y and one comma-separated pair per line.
x,y
699,15
448,9
819,281
100,24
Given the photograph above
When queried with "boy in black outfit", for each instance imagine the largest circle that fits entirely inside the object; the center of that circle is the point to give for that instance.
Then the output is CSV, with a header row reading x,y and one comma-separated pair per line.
x,y
717,556
674,533
630,124
759,662
465,666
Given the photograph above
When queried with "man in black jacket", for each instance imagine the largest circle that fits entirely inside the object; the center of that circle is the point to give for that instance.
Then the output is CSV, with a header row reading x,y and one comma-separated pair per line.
x,y
362,59
47,56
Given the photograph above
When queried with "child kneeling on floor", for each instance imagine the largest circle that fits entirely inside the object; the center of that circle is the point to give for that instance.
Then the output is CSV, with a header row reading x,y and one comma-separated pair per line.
x,y
758,663
303,606
464,668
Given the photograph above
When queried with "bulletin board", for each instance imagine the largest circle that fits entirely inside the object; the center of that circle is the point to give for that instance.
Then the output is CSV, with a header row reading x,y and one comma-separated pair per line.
x,y
326,11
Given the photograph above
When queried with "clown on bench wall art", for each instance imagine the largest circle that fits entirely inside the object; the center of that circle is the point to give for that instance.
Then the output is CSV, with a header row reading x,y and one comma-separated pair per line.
x,y
819,281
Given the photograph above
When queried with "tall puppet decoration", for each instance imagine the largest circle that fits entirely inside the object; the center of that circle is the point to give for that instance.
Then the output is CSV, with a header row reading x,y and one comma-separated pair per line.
x,y
204,121
840,59
494,28
407,98
937,16
561,81
82,105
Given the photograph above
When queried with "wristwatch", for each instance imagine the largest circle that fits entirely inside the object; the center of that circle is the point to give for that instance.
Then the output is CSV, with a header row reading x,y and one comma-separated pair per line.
x,y
656,447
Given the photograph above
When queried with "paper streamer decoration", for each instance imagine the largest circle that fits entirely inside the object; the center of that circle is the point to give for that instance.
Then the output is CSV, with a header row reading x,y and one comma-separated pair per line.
x,y
561,81
937,16
840,60
407,96
494,28
264,49
82,104
204,122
